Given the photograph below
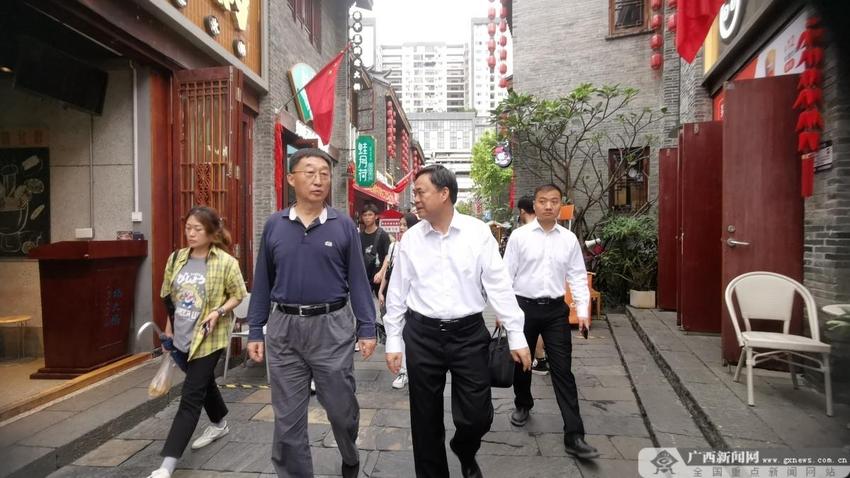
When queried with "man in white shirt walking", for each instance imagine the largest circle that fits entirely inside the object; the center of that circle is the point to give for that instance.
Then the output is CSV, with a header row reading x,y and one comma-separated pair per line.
x,y
446,264
542,256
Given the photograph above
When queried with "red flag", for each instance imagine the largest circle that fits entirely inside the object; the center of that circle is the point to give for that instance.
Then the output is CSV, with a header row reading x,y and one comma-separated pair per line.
x,y
320,93
693,20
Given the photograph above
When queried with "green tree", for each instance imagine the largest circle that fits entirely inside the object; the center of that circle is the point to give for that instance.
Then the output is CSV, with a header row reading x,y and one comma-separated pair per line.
x,y
491,181
465,207
566,141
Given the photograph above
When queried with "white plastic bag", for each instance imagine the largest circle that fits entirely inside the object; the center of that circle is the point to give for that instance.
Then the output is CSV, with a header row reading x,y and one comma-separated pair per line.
x,y
164,377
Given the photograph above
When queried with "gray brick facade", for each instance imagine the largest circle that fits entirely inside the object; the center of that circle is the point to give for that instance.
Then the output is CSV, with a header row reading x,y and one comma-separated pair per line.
x,y
288,45
827,219
559,45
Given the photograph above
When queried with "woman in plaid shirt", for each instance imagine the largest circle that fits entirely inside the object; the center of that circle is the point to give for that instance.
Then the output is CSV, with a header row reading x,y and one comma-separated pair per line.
x,y
205,284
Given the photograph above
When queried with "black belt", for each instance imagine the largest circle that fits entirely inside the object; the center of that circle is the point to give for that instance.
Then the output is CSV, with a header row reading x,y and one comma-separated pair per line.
x,y
445,325
310,310
540,300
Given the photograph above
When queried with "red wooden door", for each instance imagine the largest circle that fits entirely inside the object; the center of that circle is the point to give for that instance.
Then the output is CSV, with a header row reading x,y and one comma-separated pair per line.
x,y
208,107
668,227
701,151
762,207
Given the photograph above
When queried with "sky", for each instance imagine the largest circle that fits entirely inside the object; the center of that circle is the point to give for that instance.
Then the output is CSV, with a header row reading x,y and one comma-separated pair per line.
x,y
401,21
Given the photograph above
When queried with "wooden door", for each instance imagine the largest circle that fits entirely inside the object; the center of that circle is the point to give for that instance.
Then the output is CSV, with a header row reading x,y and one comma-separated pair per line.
x,y
762,206
245,201
206,148
668,227
700,164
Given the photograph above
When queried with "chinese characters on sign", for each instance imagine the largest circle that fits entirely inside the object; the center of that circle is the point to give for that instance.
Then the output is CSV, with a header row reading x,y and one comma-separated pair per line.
x,y
364,161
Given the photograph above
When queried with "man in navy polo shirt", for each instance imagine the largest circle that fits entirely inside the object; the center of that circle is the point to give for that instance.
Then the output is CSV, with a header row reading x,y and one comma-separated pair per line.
x,y
309,264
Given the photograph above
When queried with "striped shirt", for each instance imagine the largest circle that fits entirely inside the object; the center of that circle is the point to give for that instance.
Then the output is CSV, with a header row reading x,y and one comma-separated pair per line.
x,y
223,281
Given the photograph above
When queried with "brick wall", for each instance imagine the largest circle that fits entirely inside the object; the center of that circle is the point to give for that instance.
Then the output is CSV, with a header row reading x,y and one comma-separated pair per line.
x,y
288,45
559,45
827,216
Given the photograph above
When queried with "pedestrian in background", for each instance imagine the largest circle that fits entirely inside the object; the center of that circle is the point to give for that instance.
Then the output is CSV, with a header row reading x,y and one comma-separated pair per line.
x,y
309,264
539,366
407,221
204,284
542,257
448,268
375,242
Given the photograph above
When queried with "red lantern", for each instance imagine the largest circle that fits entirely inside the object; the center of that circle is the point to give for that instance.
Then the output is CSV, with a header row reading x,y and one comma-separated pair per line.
x,y
503,40
503,26
491,45
671,22
491,62
504,13
672,3
503,68
389,104
656,60
491,28
503,54
655,21
655,4
491,13
503,83
656,41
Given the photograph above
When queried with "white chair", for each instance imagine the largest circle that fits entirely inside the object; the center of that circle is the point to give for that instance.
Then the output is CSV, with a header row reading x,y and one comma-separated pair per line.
x,y
770,296
240,313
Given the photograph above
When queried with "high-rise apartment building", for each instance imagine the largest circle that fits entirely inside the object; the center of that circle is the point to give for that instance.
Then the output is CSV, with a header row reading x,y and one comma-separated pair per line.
x,y
428,76
447,139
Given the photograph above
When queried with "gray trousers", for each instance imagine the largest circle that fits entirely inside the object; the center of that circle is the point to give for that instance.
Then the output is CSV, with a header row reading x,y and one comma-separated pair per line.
x,y
321,348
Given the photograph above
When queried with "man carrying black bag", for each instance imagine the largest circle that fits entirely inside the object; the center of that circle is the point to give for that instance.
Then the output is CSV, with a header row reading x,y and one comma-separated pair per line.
x,y
446,264
542,257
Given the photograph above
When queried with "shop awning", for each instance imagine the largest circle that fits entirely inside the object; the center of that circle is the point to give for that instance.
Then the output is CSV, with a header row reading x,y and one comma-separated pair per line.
x,y
379,191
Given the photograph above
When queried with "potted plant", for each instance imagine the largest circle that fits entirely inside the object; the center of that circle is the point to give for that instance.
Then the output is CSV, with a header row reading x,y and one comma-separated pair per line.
x,y
629,264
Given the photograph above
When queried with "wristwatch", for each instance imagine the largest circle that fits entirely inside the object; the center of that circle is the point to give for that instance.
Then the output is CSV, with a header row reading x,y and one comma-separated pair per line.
x,y
221,312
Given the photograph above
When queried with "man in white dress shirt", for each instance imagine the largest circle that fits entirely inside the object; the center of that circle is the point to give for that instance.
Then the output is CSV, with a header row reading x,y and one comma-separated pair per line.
x,y
542,257
446,264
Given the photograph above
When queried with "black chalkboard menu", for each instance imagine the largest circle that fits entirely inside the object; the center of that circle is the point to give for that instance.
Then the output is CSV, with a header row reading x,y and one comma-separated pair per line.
x,y
24,200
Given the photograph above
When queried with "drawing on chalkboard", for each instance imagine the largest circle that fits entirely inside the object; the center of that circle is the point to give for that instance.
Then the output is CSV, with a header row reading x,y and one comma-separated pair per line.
x,y
24,200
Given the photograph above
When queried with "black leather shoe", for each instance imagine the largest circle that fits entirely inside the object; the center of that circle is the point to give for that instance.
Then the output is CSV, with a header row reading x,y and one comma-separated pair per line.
x,y
468,465
576,446
350,471
519,417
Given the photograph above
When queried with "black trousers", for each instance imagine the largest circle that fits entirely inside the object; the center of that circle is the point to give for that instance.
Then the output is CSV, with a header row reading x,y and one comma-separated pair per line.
x,y
551,321
199,390
434,347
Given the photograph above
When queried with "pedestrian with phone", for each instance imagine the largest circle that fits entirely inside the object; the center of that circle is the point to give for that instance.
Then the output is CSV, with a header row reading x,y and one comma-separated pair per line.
x,y
201,286
542,257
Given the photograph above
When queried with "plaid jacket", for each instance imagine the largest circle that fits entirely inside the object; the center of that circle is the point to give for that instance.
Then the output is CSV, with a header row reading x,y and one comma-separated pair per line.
x,y
224,280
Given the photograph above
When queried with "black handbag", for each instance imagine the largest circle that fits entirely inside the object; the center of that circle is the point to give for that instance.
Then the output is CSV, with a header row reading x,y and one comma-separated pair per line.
x,y
501,361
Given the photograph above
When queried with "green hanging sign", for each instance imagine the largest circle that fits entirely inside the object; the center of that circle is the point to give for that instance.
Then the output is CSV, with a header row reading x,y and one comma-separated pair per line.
x,y
364,161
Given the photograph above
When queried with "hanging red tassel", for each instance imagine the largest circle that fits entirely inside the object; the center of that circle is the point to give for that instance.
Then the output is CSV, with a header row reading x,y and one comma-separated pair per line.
x,y
807,175
808,97
810,37
278,164
810,78
809,119
808,141
812,57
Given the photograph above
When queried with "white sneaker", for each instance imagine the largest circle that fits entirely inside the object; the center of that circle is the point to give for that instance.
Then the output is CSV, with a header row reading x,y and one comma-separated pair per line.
x,y
211,434
356,346
160,473
312,386
400,381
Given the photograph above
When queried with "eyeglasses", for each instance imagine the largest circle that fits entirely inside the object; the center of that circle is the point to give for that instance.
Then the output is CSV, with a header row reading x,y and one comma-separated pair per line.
x,y
311,175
